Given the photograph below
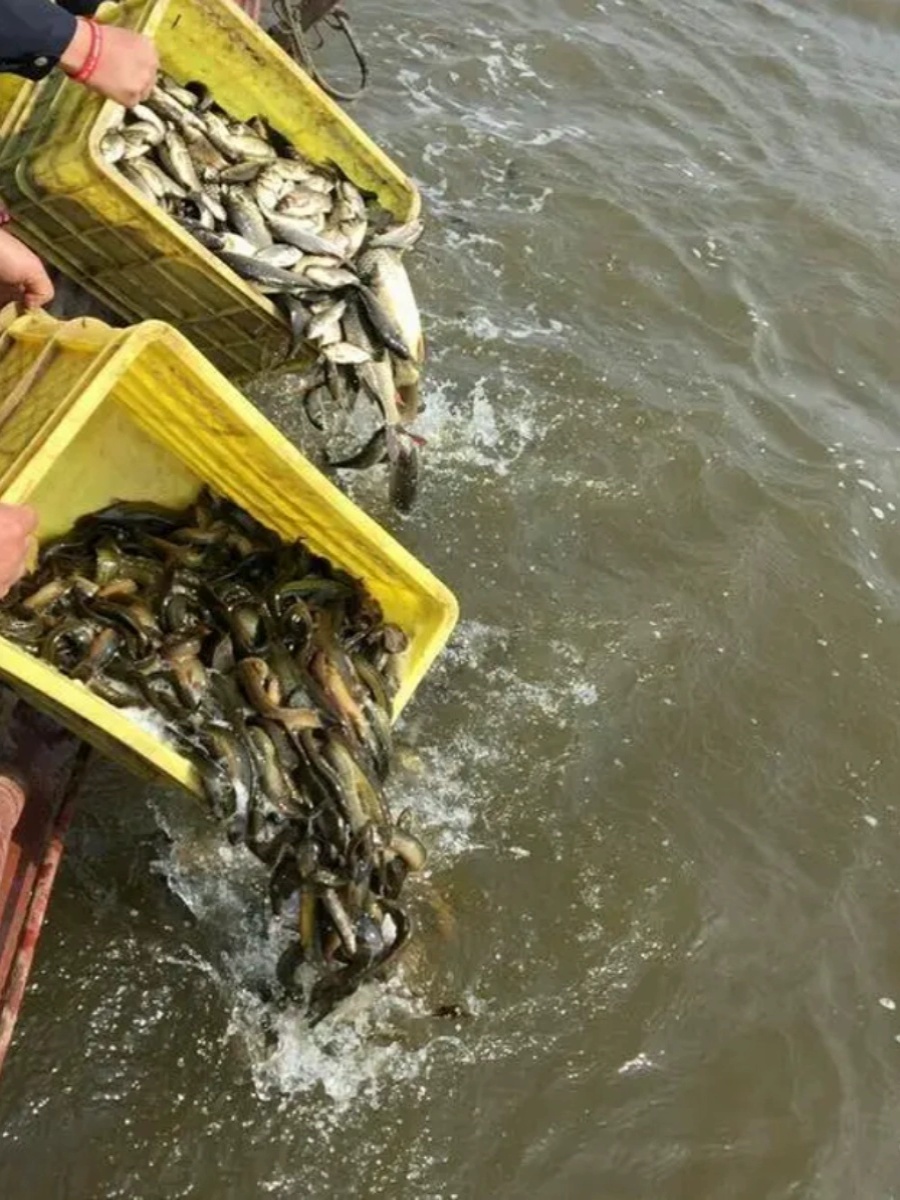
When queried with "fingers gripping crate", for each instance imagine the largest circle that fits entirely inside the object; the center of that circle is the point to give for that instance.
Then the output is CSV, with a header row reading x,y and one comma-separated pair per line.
x,y
80,213
89,415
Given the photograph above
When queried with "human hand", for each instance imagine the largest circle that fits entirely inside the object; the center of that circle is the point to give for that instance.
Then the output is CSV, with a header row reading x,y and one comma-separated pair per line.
x,y
126,67
17,526
23,277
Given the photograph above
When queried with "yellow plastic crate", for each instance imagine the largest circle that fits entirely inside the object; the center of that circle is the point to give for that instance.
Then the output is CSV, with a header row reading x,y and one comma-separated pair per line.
x,y
11,90
89,414
82,215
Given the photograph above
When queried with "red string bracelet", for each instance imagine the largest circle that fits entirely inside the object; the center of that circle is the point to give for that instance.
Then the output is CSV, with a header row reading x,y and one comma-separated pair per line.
x,y
89,66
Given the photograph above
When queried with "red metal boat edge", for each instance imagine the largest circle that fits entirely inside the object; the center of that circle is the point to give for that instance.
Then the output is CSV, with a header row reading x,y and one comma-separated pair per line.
x,y
52,763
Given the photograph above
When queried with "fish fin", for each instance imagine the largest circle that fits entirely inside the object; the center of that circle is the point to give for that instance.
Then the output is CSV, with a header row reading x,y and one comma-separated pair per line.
x,y
409,400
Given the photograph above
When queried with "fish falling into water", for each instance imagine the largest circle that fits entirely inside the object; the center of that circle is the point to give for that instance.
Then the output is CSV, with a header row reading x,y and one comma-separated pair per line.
x,y
274,673
305,236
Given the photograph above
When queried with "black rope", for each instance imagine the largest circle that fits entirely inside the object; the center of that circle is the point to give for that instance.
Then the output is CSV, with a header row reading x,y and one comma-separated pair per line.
x,y
297,45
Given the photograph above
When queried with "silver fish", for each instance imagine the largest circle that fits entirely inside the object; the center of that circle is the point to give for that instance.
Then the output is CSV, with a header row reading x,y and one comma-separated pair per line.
x,y
279,255
236,146
161,183
255,125
329,317
244,215
382,270
185,97
304,203
406,373
349,202
344,354
169,109
243,171
138,180
314,224
210,199
145,130
235,244
112,146
331,277
199,229
297,315
332,233
135,145
176,159
191,213
382,323
316,260
377,378
146,116
353,233
269,187
319,182
355,332
307,237
410,399
403,483
286,229
330,335
398,237
206,158
213,240
263,274
370,454
296,170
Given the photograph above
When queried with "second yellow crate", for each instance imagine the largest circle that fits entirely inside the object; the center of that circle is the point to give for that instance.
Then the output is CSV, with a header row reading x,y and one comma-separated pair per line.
x,y
90,414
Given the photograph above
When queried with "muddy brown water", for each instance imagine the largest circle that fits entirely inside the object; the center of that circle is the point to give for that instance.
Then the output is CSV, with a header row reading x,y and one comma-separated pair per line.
x,y
658,765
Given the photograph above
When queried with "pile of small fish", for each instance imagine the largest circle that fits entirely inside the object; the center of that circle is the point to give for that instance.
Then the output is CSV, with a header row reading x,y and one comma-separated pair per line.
x,y
304,235
274,672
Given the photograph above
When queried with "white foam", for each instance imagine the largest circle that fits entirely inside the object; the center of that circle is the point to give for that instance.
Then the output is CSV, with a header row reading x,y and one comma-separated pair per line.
x,y
634,1066
241,797
350,1057
360,1050
150,721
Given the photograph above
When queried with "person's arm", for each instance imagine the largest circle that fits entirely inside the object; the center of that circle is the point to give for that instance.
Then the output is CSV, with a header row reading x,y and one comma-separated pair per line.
x,y
17,526
36,35
23,278
12,801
